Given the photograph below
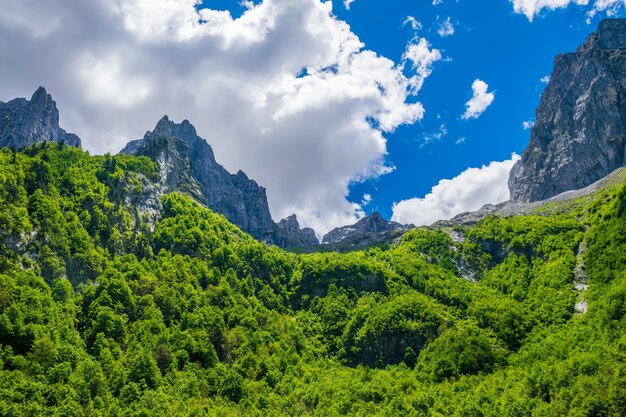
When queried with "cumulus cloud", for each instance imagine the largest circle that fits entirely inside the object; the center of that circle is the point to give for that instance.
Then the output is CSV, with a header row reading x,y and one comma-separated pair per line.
x,y
532,8
285,92
347,3
527,124
422,58
481,99
545,79
468,191
446,28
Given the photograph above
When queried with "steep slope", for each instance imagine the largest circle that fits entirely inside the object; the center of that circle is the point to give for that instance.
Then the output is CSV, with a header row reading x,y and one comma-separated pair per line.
x,y
564,202
24,122
580,130
188,164
103,312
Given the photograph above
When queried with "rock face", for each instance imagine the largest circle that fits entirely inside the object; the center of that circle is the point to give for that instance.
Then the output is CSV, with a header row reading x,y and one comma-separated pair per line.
x,y
24,123
290,234
188,164
372,228
580,130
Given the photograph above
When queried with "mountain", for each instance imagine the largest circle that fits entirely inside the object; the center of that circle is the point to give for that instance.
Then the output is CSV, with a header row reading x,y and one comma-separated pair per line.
x,y
580,130
24,122
104,311
368,231
117,298
187,163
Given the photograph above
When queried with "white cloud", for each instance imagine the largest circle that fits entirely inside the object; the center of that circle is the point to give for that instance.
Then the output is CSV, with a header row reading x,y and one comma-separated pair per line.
x,y
414,23
422,58
438,135
367,199
468,191
532,8
116,66
481,99
347,3
611,7
437,2
460,140
111,87
446,28
545,79
528,124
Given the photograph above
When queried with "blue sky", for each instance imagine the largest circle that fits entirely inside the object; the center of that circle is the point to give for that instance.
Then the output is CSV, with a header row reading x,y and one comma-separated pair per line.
x,y
505,49
493,44
319,140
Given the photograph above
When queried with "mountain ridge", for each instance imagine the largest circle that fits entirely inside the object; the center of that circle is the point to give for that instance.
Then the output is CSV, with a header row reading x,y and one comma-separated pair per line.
x,y
188,163
578,139
121,293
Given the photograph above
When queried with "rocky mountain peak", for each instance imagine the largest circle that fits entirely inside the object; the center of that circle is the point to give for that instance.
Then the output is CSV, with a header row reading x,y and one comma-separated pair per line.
x,y
183,130
294,236
375,223
41,96
611,34
290,220
188,164
26,122
580,130
366,228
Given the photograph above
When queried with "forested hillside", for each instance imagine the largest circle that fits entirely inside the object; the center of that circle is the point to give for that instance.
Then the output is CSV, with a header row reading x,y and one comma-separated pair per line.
x,y
108,308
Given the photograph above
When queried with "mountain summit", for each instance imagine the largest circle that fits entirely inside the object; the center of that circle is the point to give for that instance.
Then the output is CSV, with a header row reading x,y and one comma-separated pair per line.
x,y
188,164
368,231
24,123
580,130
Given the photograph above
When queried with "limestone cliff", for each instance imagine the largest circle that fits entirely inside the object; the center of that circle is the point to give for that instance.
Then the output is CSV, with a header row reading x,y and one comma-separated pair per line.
x,y
26,122
580,130
187,163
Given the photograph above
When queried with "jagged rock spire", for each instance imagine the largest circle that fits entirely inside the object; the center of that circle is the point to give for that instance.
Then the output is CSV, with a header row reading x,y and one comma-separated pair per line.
x,y
26,122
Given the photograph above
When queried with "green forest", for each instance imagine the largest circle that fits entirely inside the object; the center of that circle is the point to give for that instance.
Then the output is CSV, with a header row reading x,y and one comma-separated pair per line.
x,y
110,310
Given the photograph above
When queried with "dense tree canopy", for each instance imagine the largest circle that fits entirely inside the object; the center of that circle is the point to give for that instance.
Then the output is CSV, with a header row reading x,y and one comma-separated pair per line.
x,y
110,309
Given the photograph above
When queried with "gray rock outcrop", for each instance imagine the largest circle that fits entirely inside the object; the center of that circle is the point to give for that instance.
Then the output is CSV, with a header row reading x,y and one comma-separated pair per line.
x,y
367,231
187,163
26,122
291,235
580,130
